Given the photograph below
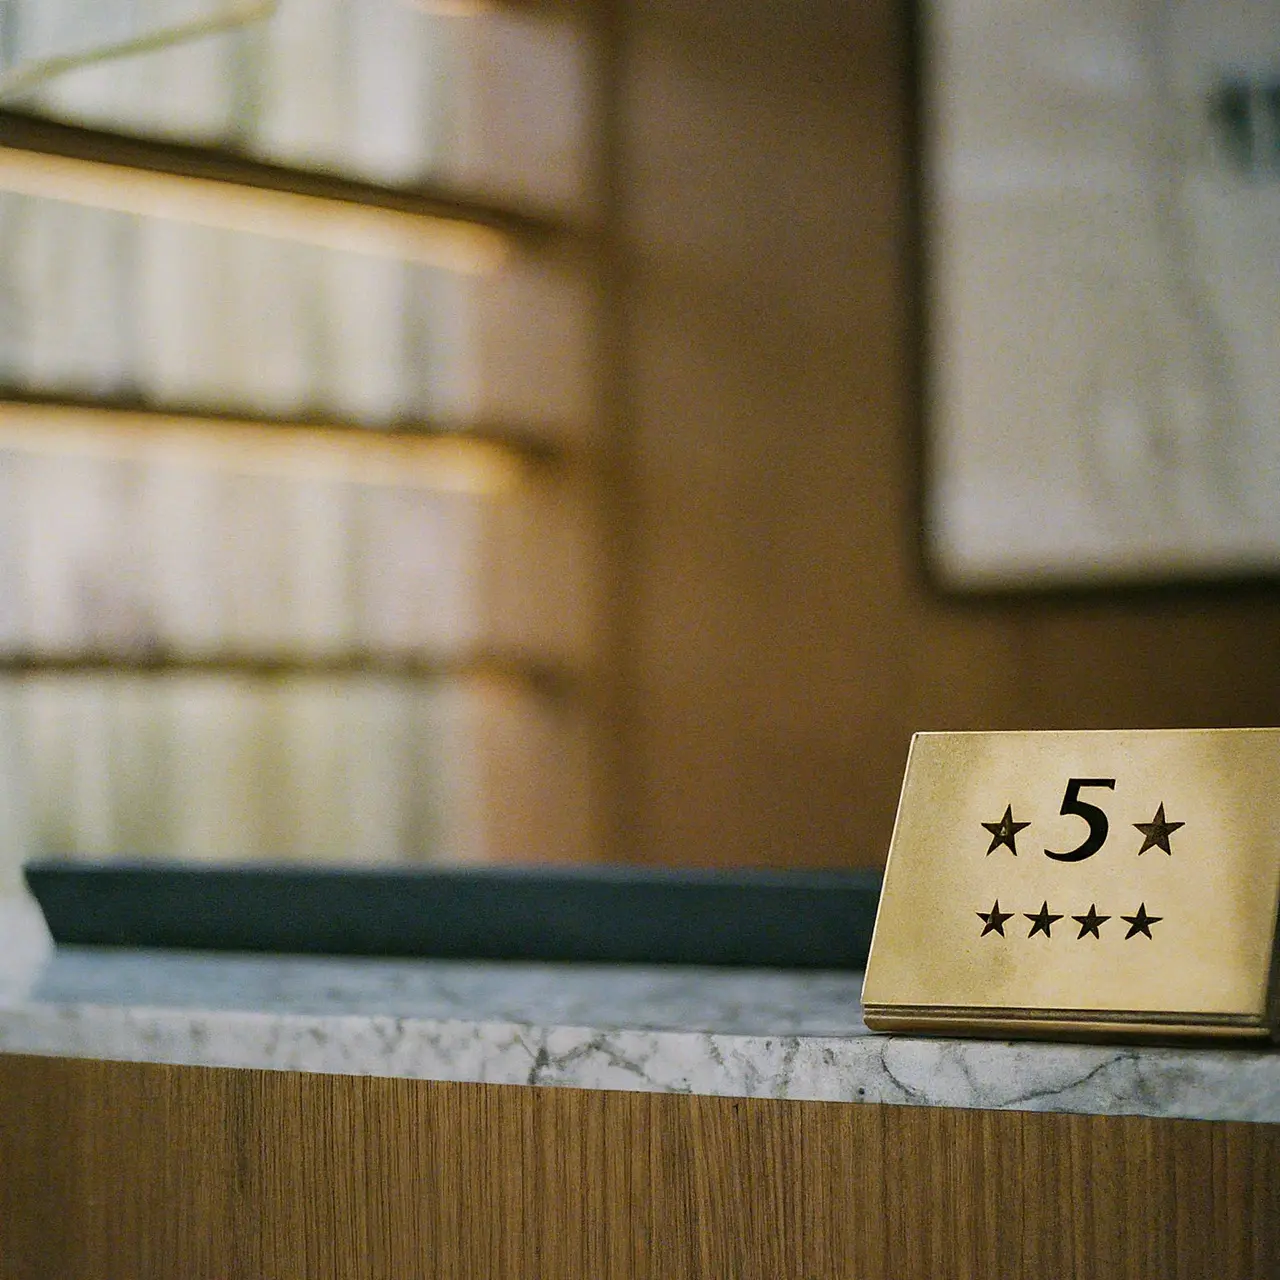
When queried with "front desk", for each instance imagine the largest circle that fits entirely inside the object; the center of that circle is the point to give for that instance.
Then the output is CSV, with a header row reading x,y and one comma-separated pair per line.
x,y
188,1115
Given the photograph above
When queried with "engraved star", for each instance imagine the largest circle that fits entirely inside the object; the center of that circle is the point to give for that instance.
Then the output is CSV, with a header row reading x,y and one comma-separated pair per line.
x,y
1042,921
994,918
1155,834
1141,923
1005,831
1090,923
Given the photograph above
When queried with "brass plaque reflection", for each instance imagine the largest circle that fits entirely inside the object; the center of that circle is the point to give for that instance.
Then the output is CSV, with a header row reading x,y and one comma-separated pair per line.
x,y
1082,884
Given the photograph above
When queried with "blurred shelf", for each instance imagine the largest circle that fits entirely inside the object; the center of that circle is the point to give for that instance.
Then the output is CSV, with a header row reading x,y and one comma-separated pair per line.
x,y
407,452
537,675
113,159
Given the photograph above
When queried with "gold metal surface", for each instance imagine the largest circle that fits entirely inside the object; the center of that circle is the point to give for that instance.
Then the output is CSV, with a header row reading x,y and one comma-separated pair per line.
x,y
1082,885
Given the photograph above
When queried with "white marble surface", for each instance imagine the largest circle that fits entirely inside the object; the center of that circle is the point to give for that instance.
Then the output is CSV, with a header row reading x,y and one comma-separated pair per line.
x,y
722,1032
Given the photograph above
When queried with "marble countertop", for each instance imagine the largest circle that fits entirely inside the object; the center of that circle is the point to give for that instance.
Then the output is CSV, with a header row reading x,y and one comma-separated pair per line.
x,y
742,1033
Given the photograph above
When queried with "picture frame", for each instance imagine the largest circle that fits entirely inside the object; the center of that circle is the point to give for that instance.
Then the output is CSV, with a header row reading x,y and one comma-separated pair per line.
x,y
1101,216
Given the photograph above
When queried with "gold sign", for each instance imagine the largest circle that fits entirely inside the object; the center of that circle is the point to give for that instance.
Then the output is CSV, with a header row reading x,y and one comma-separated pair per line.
x,y
1082,884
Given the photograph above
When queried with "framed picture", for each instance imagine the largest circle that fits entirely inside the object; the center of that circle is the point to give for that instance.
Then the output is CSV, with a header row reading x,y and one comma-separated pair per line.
x,y
1103,237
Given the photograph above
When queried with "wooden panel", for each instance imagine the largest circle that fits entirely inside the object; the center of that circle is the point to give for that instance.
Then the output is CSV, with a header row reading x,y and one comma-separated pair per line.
x,y
137,1171
781,642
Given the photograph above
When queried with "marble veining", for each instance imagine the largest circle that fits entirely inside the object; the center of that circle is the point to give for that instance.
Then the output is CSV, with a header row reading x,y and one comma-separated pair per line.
x,y
662,998
733,1033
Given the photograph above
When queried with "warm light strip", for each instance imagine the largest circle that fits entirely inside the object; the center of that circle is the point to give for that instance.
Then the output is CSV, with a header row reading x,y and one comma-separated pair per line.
x,y
437,241
453,8
335,454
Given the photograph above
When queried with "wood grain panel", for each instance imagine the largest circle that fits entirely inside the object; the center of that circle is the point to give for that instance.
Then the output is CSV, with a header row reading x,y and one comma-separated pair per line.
x,y
781,641
136,1171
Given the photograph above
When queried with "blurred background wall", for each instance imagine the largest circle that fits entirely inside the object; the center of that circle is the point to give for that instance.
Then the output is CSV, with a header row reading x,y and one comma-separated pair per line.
x,y
698,630
298,442
784,641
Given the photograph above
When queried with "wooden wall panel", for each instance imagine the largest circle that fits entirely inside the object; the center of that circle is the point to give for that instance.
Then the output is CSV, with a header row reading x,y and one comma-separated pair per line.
x,y
138,1171
781,640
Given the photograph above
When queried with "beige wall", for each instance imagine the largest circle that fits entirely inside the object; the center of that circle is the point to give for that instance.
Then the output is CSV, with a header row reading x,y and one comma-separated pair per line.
x,y
781,644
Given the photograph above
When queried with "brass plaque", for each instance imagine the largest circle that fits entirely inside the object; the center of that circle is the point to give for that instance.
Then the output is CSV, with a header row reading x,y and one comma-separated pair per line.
x,y
1082,884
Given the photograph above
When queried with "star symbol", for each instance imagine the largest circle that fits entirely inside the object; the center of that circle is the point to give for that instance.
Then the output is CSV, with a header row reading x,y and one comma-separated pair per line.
x,y
994,918
1042,921
1004,832
1090,923
1141,923
1155,834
